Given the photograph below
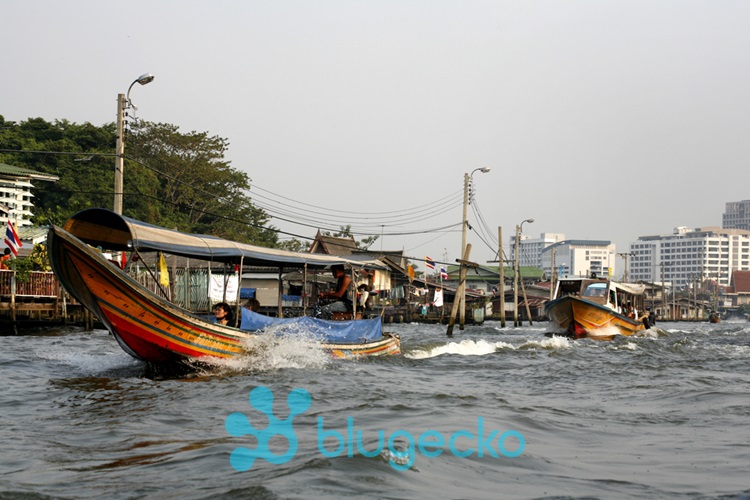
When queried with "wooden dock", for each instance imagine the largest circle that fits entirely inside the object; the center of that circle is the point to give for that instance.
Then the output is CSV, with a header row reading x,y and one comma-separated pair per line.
x,y
36,299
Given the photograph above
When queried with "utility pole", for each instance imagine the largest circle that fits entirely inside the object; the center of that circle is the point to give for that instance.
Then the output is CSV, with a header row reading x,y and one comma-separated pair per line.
x,y
119,153
123,103
515,276
664,297
552,275
461,297
501,287
625,273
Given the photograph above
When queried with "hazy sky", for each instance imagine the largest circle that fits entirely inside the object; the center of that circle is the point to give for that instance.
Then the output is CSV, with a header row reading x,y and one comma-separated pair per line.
x,y
599,119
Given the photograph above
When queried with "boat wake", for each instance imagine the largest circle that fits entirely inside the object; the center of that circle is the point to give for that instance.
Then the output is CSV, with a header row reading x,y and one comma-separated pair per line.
x,y
269,352
463,348
483,347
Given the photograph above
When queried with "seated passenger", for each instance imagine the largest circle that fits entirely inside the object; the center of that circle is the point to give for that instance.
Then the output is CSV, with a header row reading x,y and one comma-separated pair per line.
x,y
223,314
340,301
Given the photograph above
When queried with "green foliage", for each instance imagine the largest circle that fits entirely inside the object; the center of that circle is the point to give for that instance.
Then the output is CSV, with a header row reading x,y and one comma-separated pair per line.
x,y
295,245
36,261
172,179
346,232
39,259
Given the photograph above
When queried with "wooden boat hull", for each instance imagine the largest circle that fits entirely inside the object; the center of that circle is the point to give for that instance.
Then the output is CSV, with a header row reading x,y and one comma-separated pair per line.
x,y
580,318
149,327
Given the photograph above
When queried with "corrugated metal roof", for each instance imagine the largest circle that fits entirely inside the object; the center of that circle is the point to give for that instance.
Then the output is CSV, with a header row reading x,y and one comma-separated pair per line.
x,y
741,281
13,171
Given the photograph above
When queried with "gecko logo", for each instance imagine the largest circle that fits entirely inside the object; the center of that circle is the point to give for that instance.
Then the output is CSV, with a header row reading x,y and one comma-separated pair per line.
x,y
332,443
237,424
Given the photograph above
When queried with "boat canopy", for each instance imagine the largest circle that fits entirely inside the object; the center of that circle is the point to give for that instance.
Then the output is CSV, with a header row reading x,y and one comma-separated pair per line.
x,y
112,231
631,288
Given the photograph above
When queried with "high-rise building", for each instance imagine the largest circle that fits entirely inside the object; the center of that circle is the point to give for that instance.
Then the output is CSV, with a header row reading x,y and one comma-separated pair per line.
x,y
580,258
530,249
15,193
736,215
690,256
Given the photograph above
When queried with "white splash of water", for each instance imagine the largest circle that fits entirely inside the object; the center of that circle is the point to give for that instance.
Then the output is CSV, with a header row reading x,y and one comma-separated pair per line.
x,y
651,333
605,332
554,342
268,352
463,348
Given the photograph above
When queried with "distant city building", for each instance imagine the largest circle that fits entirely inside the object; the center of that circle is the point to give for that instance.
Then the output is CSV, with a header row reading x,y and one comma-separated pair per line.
x,y
690,255
736,215
15,193
530,249
580,258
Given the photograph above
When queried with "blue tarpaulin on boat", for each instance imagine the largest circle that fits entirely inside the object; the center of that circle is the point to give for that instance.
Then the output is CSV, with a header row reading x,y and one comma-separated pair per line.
x,y
340,332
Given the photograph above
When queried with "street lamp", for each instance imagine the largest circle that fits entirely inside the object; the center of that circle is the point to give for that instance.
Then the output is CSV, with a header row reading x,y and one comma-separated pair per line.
x,y
123,103
625,256
515,274
467,180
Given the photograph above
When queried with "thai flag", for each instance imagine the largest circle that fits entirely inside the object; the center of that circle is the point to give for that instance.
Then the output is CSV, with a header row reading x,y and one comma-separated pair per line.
x,y
443,273
11,238
429,263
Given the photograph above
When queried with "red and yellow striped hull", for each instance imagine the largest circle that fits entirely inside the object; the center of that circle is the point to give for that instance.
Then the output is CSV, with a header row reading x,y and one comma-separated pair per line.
x,y
580,318
149,327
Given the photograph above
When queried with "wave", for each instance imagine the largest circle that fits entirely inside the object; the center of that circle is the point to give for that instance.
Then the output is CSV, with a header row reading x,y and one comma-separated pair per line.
x,y
483,347
463,348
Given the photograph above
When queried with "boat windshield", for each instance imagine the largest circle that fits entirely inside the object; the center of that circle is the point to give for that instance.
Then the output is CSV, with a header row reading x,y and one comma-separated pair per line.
x,y
595,290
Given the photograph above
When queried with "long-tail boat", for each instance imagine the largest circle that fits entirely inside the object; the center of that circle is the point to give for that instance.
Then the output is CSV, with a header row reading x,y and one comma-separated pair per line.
x,y
597,308
152,328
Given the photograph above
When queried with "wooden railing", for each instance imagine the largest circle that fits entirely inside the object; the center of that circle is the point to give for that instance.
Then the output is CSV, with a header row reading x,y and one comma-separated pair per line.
x,y
38,284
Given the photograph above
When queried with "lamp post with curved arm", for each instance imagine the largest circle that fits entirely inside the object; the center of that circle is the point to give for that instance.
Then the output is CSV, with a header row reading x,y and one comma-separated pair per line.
x,y
467,181
515,273
123,103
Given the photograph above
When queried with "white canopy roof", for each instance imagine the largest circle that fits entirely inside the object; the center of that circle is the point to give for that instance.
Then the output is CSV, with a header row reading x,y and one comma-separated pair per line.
x,y
111,231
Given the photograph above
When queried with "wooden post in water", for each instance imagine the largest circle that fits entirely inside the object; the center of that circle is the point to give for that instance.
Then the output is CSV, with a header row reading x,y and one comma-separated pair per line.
x,y
552,275
526,302
13,301
459,290
501,287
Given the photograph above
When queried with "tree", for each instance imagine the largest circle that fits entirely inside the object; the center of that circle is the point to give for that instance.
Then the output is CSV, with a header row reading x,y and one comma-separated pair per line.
x,y
69,151
346,232
171,179
295,245
198,190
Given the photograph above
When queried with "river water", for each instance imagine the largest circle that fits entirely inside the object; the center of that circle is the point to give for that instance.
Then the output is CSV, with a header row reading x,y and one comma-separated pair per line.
x,y
664,415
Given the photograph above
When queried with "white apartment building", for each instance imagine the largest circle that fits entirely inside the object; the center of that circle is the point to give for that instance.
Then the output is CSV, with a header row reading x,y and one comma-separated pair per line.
x,y
580,258
15,193
690,255
736,215
530,249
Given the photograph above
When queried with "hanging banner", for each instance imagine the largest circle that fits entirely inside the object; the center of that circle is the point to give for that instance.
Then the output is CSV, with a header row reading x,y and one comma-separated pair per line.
x,y
216,288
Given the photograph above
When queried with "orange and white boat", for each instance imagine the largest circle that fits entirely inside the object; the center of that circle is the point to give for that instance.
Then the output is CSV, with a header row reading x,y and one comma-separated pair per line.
x,y
597,308
154,329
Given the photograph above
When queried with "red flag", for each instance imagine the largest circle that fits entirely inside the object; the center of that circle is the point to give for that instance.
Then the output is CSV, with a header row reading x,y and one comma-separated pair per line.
x,y
12,239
